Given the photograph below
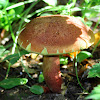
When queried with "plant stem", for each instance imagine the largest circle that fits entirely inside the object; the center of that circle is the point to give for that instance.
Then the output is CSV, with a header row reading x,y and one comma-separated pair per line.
x,y
78,78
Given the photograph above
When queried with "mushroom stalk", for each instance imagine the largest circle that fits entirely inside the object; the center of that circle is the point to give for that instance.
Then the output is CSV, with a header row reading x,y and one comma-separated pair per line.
x,y
52,74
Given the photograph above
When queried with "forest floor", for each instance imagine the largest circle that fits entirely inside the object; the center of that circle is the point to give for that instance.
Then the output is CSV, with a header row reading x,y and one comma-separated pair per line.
x,y
71,89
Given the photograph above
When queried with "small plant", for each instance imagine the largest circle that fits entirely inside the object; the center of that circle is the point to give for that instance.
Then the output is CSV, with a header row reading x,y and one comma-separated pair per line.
x,y
94,72
95,94
8,14
12,82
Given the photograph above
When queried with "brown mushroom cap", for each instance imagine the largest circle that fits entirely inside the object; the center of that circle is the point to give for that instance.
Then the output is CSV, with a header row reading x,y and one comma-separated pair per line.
x,y
56,34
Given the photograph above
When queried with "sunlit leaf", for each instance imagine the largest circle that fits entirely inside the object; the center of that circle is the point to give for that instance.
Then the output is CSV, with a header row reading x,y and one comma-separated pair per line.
x,y
12,82
4,2
11,13
91,12
95,71
87,1
83,55
95,94
89,23
51,2
46,14
76,9
63,60
36,89
19,4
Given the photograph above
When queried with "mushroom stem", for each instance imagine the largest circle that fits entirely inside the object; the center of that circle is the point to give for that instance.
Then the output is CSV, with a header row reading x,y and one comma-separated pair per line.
x,y
52,74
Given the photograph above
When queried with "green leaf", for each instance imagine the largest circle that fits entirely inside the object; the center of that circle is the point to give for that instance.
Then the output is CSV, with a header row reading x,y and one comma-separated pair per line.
x,y
11,15
3,51
89,23
57,9
64,60
19,4
19,9
95,94
15,57
95,71
91,11
46,14
51,2
75,9
11,56
41,78
87,1
36,89
4,2
83,55
14,60
12,82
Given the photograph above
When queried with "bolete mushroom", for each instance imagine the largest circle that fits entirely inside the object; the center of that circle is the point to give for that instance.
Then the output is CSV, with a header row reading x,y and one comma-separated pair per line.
x,y
52,36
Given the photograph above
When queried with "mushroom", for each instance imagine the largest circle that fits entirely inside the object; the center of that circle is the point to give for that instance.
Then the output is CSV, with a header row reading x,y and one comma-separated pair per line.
x,y
52,36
